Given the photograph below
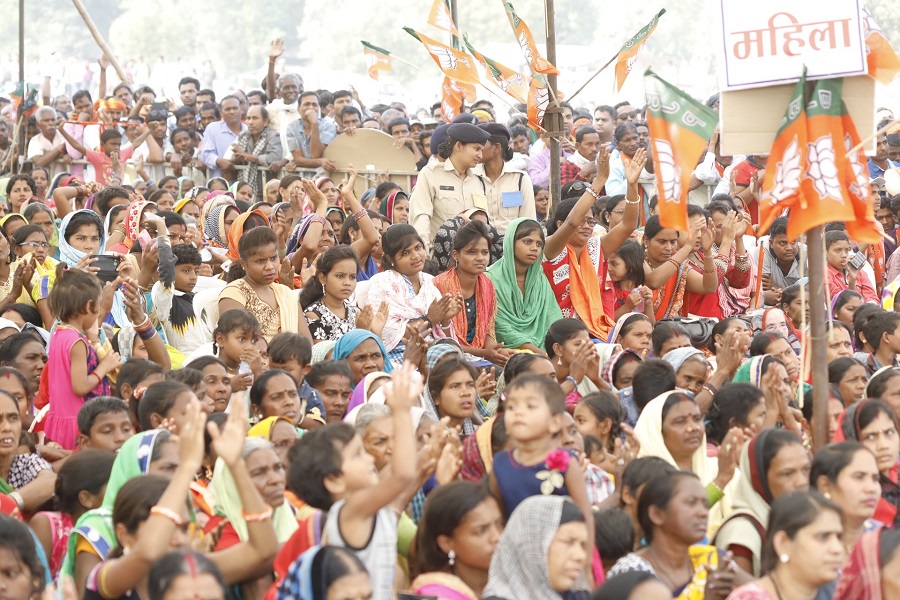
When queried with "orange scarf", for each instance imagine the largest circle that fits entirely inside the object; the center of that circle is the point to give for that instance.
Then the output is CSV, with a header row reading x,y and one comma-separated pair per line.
x,y
237,230
584,289
877,260
485,307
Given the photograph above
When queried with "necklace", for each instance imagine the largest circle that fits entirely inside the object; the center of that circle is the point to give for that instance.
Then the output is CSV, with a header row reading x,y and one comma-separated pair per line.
x,y
668,579
775,585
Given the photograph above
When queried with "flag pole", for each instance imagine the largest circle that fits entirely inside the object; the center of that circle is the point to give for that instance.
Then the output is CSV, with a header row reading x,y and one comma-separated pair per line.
x,y
591,78
99,39
555,182
406,62
19,135
857,147
817,340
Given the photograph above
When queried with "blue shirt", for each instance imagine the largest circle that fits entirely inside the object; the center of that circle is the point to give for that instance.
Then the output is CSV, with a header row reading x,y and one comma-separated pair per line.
x,y
297,138
876,171
314,406
217,139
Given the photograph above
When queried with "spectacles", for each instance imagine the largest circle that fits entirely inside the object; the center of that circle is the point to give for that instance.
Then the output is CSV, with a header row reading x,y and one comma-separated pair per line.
x,y
589,223
43,245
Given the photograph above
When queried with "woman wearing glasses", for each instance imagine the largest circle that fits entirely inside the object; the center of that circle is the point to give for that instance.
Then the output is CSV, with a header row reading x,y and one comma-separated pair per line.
x,y
29,242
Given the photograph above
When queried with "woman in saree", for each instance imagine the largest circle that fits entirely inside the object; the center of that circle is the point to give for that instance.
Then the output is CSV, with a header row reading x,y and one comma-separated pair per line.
x,y
449,566
574,259
395,206
443,240
673,514
871,570
150,452
526,305
241,225
665,268
134,225
473,327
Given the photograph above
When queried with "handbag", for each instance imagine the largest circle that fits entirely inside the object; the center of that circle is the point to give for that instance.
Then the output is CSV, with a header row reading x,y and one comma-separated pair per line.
x,y
699,328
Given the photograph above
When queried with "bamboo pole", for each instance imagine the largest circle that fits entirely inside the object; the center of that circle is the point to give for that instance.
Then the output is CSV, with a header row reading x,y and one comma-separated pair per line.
x,y
99,39
817,341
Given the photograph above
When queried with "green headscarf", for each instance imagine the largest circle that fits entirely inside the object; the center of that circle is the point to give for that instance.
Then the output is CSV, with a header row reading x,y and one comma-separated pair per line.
x,y
522,319
96,526
228,500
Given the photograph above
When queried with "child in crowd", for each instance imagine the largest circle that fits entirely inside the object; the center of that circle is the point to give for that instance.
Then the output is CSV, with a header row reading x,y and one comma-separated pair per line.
x,y
76,372
110,162
173,294
165,405
80,485
625,291
104,423
533,414
292,352
330,470
326,297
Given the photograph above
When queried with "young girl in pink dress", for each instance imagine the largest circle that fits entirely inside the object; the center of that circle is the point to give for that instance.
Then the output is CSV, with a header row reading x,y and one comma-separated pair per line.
x,y
76,373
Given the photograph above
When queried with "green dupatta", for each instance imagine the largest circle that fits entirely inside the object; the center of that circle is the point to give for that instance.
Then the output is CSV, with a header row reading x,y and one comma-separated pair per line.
x,y
522,319
96,526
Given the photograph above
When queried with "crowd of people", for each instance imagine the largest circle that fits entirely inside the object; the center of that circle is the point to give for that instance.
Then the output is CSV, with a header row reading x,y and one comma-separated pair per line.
x,y
225,373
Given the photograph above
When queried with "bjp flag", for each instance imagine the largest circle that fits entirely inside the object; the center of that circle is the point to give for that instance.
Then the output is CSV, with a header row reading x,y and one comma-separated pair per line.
x,y
881,59
455,64
786,164
441,18
864,228
538,101
452,95
537,62
824,187
377,59
25,97
680,129
629,51
505,78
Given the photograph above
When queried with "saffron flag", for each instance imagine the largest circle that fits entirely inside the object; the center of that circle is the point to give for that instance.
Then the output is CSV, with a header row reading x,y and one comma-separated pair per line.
x,y
787,161
882,61
506,79
824,193
538,101
537,62
452,95
26,97
680,129
864,228
629,51
377,59
441,18
455,64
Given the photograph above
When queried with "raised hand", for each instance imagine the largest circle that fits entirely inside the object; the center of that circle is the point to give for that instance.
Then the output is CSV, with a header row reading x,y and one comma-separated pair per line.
x,y
286,273
228,442
276,48
636,166
602,168
707,238
404,388
190,437
315,194
486,384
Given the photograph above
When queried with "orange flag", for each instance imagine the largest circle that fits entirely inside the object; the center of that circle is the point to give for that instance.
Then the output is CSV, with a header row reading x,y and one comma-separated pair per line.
x,y
680,128
882,61
452,95
454,63
786,164
537,62
506,79
538,101
629,51
864,228
824,188
377,59
441,18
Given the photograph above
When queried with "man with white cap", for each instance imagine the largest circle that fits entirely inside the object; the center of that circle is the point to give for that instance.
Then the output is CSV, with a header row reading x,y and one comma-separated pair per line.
x,y
439,193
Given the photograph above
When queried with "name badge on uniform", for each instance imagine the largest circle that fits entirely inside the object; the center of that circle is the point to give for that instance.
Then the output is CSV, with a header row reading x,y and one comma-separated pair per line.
x,y
513,199
447,188
480,201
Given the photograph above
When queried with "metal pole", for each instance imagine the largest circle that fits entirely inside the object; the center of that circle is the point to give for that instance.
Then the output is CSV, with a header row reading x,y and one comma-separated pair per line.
x,y
817,332
454,14
22,123
556,118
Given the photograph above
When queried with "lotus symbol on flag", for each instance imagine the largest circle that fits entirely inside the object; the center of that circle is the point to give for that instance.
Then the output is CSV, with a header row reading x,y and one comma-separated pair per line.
x,y
787,173
526,48
447,60
630,63
823,169
860,187
668,171
371,60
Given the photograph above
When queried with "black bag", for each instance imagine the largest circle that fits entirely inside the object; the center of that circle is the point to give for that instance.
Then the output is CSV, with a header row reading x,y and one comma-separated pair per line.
x,y
699,328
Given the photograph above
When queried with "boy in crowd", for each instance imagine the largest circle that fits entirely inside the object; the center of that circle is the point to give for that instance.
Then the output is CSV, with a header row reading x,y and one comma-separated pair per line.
x,y
292,352
104,423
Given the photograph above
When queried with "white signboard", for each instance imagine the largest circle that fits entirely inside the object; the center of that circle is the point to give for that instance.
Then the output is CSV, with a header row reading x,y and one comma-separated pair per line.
x,y
767,42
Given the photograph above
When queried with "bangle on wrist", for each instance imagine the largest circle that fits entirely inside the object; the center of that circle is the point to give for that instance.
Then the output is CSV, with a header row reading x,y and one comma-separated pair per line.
x,y
590,190
259,517
167,513
572,379
627,201
17,498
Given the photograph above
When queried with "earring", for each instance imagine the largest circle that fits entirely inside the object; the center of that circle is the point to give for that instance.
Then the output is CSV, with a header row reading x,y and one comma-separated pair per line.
x,y
784,558
827,496
559,361
323,289
452,556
